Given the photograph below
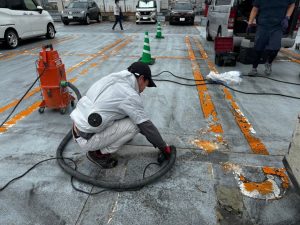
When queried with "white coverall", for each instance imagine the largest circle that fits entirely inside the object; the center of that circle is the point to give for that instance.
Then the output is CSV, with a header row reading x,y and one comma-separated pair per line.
x,y
116,98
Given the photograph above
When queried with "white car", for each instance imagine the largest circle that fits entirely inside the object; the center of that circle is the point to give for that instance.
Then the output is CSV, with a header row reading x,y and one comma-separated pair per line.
x,y
22,19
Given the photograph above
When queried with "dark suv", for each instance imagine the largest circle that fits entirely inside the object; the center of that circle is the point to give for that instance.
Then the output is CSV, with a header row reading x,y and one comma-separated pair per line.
x,y
81,11
182,12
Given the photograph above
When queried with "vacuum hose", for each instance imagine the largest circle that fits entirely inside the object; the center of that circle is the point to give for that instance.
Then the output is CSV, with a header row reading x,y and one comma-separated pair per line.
x,y
113,185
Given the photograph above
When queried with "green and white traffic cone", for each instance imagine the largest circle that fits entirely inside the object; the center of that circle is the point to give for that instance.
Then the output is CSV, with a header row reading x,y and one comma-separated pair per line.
x,y
146,57
158,31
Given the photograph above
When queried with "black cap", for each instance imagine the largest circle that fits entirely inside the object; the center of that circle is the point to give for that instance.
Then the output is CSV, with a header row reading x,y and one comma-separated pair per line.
x,y
139,68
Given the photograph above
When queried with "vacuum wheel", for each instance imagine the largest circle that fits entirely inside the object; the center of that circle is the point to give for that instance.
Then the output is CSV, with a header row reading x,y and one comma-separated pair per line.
x,y
42,110
62,111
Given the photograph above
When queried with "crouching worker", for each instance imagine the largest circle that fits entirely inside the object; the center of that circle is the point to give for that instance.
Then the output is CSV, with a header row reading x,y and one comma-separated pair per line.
x,y
111,114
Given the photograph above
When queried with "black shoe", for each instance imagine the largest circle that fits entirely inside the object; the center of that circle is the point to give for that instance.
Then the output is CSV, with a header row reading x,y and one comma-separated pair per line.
x,y
105,161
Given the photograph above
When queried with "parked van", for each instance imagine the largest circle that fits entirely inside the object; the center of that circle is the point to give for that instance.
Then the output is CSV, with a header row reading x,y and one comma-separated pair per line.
x,y
146,11
21,19
227,18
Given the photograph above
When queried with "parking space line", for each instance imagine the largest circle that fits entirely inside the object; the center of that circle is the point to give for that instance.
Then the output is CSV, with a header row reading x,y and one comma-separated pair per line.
x,y
19,116
15,53
206,102
245,126
69,70
290,53
29,110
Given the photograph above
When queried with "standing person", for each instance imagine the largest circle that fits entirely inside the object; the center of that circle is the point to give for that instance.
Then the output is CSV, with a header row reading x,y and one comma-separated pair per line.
x,y
118,15
116,101
272,19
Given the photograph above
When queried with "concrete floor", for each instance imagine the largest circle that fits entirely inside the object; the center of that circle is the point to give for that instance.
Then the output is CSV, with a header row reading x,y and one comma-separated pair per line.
x,y
221,136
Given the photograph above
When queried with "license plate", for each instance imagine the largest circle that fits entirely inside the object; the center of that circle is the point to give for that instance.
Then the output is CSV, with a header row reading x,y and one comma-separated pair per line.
x,y
181,19
70,17
144,18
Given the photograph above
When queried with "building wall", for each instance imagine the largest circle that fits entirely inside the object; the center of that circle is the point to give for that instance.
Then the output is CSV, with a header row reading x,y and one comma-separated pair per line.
x,y
107,5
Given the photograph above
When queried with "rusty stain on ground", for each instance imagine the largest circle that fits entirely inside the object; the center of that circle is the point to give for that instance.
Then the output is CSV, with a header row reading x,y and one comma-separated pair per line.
x,y
281,172
207,146
264,188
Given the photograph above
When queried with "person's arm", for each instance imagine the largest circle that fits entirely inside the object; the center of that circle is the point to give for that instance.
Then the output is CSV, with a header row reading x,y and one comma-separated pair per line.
x,y
149,130
253,15
290,10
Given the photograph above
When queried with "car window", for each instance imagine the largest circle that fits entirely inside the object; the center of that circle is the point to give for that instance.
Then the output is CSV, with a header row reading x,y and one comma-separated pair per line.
x,y
3,4
94,4
223,2
77,5
15,4
183,6
148,4
90,5
30,5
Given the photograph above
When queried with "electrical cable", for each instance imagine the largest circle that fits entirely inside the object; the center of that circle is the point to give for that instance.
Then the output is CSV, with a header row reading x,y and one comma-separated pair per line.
x,y
260,76
21,99
235,90
269,78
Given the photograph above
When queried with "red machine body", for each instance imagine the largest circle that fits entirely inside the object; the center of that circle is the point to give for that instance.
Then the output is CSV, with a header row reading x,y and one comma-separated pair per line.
x,y
52,73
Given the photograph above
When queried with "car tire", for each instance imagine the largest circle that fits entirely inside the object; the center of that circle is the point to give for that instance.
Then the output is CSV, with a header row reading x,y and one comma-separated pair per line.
x,y
50,31
99,19
11,39
208,37
87,20
192,22
65,22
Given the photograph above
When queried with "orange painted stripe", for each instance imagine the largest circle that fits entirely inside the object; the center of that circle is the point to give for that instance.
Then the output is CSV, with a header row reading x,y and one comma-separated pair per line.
x,y
20,116
207,105
105,57
245,126
295,60
12,54
71,69
289,52
36,105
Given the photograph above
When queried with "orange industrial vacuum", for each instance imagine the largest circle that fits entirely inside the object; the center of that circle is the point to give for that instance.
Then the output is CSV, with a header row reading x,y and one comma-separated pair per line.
x,y
52,77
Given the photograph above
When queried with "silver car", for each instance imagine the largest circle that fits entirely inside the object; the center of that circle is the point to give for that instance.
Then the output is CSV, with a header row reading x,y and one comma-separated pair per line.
x,y
81,11
146,11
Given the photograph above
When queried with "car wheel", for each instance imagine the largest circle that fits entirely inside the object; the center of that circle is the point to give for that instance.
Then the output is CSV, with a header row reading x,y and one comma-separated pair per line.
x,y
11,39
208,37
87,20
50,31
99,18
192,22
65,22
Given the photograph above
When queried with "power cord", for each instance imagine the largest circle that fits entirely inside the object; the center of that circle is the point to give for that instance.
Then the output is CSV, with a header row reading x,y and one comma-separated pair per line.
x,y
21,99
235,90
222,84
72,178
264,77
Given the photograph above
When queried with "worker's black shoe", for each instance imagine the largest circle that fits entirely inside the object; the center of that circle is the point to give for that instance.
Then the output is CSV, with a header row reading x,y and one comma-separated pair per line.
x,y
105,161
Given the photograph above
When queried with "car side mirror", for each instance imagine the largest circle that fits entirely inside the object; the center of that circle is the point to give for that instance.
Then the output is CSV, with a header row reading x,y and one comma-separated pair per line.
x,y
40,9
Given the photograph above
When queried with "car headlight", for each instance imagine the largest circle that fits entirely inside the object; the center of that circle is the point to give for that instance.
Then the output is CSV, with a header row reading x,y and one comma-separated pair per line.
x,y
82,12
62,12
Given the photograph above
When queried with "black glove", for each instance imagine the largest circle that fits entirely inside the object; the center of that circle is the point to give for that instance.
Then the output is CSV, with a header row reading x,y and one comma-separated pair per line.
x,y
165,153
285,23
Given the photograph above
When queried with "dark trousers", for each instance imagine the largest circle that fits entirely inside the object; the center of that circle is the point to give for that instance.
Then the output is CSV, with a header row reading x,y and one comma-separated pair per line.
x,y
118,19
270,54
268,41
